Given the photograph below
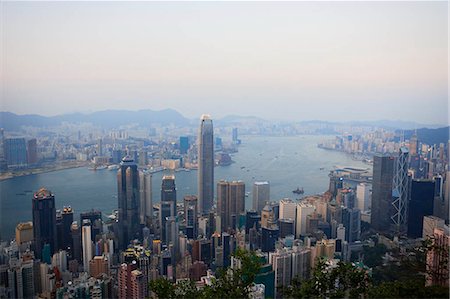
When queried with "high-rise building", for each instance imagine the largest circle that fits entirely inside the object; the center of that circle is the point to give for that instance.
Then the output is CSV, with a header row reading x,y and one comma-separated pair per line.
x,y
413,145
267,216
95,220
24,233
363,196
382,183
261,195
76,241
301,262
143,158
32,157
169,192
128,197
351,219
429,224
66,223
437,259
287,227
16,152
190,215
287,208
99,265
145,196
281,261
269,235
234,136
303,210
86,244
165,212
400,190
184,145
44,221
3,164
230,202
420,205
205,164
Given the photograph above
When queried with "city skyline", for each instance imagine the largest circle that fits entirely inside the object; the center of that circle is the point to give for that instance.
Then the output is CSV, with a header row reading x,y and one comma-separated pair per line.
x,y
392,65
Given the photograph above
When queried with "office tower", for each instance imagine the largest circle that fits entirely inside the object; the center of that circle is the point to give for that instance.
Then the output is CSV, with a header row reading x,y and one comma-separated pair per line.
x,y
226,249
429,224
363,196
165,211
351,219
269,235
99,265
234,136
437,259
124,280
44,221
382,183
184,145
169,192
400,190
24,233
252,219
86,244
261,195
335,184
16,152
205,164
66,221
76,249
100,147
20,280
143,158
413,145
138,285
32,157
117,155
281,261
230,202
348,198
267,217
145,196
340,232
287,208
303,210
287,227
95,219
190,215
128,197
3,164
420,205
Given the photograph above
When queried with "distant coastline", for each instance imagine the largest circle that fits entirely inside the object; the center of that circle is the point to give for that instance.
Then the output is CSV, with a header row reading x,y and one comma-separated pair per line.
x,y
48,168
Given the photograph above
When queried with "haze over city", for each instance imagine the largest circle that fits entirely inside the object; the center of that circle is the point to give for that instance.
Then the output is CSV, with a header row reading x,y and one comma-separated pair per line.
x,y
292,60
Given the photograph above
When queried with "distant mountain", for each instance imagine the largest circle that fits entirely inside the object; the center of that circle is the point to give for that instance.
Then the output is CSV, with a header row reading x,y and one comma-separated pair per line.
x,y
108,119
394,124
430,136
230,119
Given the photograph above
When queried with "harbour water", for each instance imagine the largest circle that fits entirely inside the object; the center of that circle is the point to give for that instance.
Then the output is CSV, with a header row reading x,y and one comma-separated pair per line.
x,y
286,162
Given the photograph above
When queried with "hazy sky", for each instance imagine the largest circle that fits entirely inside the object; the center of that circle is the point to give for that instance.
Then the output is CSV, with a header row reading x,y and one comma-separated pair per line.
x,y
293,60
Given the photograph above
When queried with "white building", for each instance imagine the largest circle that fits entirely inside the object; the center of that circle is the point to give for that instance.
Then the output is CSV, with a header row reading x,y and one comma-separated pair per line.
x,y
303,210
87,244
287,208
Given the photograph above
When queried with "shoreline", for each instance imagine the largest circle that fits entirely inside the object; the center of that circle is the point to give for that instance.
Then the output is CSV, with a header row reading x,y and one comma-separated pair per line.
x,y
33,171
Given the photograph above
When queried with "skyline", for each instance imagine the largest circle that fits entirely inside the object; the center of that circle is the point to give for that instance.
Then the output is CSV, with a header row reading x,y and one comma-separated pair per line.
x,y
377,60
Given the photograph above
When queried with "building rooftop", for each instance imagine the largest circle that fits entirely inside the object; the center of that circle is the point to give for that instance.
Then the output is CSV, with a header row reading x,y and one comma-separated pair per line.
x,y
42,194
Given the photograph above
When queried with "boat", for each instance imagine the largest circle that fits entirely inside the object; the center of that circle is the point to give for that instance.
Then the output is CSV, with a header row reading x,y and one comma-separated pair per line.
x,y
298,191
321,168
113,167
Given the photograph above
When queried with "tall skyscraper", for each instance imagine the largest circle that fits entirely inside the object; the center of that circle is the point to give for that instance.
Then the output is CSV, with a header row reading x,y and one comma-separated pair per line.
x,y
128,197
351,218
86,244
67,219
169,192
184,144
165,212
76,249
261,195
382,183
190,215
145,196
230,202
363,196
303,210
32,157
44,221
400,195
420,205
205,164
287,208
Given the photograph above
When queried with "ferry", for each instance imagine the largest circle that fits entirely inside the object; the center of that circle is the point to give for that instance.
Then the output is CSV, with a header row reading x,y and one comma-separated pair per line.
x,y
298,191
113,167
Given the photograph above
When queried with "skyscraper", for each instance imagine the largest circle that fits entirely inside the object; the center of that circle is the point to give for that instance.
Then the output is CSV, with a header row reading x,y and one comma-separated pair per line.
x,y
400,195
230,202
146,201
128,197
205,164
382,183
420,205
169,192
16,152
44,221
86,244
184,144
303,210
261,195
190,215
32,157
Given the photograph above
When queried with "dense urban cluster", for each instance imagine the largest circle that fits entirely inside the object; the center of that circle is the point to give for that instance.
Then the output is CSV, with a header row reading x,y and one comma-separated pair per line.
x,y
366,224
